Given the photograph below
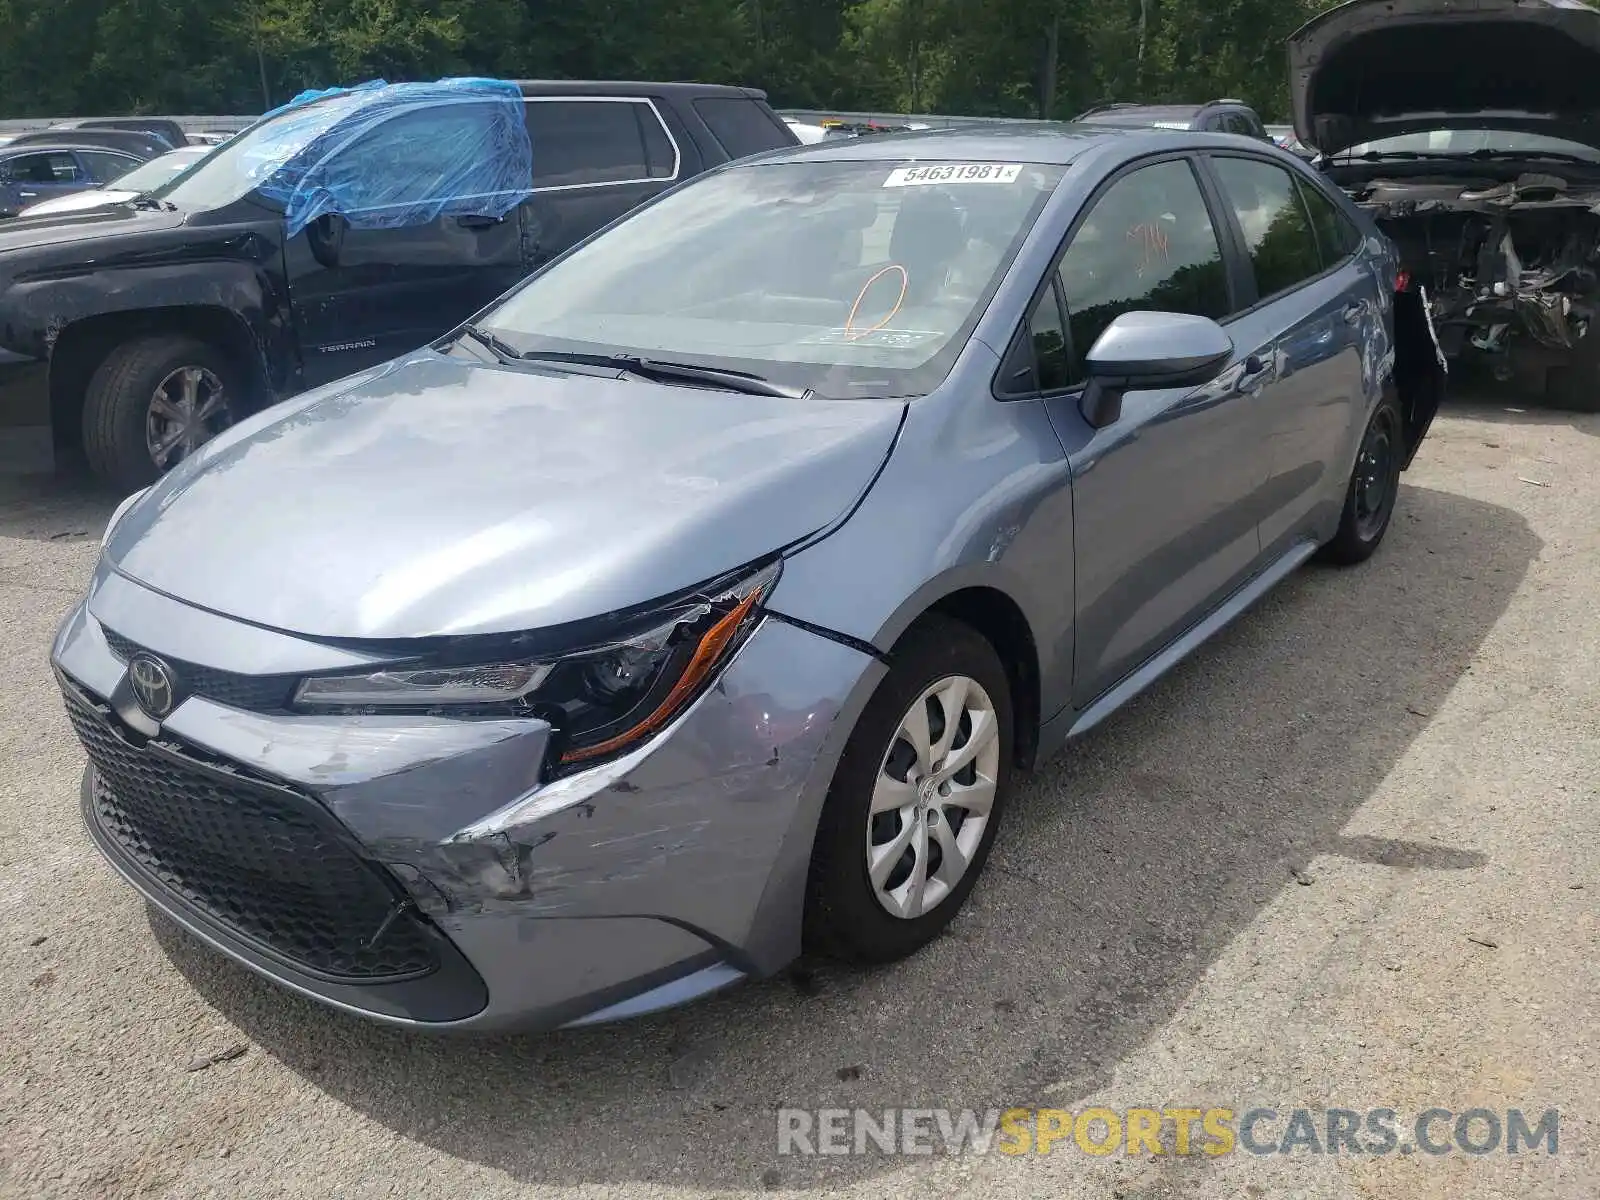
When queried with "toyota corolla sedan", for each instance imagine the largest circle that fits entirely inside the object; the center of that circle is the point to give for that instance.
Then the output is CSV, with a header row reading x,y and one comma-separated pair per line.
x,y
702,599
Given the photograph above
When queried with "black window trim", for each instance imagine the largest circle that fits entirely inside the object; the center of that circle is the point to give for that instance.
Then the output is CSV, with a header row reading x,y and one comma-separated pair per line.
x,y
661,180
1236,269
1241,247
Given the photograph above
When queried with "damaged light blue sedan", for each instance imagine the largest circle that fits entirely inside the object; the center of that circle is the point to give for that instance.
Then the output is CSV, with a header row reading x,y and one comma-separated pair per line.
x,y
702,599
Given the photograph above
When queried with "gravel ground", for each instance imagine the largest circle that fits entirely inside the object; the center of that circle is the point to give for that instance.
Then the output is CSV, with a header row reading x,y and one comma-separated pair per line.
x,y
1259,885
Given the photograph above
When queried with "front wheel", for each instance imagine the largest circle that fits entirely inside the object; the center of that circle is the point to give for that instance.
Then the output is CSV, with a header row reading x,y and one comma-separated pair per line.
x,y
153,402
1373,490
916,799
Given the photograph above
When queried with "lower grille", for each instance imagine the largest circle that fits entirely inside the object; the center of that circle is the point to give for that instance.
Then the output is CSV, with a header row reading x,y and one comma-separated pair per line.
x,y
261,860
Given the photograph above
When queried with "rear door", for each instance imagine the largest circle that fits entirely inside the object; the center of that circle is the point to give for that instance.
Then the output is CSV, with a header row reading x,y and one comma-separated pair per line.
x,y
1316,317
594,159
362,295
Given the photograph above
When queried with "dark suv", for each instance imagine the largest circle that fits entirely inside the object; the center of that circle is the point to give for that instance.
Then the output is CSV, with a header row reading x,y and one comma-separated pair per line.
x,y
1218,116
140,330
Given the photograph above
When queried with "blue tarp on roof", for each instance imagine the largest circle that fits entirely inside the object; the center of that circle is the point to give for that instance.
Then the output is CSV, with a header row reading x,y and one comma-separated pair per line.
x,y
387,155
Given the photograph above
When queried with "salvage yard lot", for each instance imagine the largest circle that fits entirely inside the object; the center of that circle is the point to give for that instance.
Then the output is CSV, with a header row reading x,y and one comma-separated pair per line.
x,y
1347,855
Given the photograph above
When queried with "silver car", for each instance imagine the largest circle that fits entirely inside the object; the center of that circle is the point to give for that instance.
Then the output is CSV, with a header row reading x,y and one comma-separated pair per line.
x,y
701,599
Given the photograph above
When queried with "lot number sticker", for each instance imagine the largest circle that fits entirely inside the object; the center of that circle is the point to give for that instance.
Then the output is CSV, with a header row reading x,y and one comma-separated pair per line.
x,y
954,173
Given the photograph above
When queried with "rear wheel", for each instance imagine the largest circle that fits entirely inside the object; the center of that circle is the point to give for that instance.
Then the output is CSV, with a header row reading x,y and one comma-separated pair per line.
x,y
1374,487
916,799
153,402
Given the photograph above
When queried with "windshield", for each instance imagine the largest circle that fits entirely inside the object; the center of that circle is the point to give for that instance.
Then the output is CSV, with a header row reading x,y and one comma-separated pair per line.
x,y
1448,142
243,162
849,278
159,170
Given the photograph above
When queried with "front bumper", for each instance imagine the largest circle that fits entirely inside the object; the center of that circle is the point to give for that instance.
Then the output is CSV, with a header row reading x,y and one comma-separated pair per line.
x,y
631,887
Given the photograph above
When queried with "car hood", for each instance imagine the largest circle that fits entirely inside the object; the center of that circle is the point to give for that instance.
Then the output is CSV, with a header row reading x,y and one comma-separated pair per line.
x,y
1370,69
78,202
31,232
438,497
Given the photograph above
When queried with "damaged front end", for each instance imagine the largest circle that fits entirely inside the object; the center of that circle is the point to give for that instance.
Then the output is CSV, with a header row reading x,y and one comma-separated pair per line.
x,y
1512,269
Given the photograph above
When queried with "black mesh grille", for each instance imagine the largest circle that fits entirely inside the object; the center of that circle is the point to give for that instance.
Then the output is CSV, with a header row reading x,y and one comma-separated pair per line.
x,y
262,860
259,693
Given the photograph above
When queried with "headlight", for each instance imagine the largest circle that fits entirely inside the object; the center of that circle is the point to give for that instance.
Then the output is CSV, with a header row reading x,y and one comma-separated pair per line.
x,y
601,700
118,513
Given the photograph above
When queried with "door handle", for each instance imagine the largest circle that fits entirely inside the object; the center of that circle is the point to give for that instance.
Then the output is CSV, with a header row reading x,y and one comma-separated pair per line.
x,y
1352,311
1254,372
477,222
28,195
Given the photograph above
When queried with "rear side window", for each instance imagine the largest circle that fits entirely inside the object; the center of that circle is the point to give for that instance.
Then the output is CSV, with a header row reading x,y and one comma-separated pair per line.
x,y
1147,244
580,143
105,166
740,126
1277,231
1337,236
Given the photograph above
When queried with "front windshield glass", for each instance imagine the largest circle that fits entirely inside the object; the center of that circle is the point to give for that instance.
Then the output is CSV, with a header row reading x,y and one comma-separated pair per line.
x,y
241,163
160,170
849,278
1448,142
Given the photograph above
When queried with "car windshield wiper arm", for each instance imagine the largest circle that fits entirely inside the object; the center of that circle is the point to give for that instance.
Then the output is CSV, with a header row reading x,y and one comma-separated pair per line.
x,y
501,350
663,371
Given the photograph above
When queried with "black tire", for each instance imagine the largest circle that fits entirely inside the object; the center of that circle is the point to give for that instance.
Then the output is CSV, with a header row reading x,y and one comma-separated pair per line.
x,y
1375,479
1574,386
843,917
117,404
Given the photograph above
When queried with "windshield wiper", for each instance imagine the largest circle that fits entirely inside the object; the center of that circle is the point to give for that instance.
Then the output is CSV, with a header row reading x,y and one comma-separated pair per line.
x,y
501,350
662,371
151,202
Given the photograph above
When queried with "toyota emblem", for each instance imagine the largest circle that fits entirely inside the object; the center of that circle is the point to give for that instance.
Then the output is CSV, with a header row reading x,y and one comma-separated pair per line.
x,y
153,685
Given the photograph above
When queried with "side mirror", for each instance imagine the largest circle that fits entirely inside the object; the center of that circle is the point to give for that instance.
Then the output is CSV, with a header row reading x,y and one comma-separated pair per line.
x,y
1150,350
326,238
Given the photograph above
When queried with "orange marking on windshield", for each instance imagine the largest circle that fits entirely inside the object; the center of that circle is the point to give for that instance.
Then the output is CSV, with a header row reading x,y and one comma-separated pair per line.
x,y
850,332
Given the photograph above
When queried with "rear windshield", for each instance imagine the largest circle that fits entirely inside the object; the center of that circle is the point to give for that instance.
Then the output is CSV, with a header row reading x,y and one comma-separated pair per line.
x,y
850,278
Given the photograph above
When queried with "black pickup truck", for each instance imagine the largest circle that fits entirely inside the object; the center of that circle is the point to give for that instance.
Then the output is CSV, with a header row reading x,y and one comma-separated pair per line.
x,y
137,331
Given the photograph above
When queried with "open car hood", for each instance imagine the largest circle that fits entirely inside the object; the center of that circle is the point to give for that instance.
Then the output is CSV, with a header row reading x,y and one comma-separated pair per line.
x,y
1372,69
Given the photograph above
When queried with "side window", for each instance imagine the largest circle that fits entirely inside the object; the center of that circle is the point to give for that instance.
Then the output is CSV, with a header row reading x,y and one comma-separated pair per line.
x,y
45,168
739,125
105,166
1337,236
578,142
1277,231
412,158
1148,244
1040,360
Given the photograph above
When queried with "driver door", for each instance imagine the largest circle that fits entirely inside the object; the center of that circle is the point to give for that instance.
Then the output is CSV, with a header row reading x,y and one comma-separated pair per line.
x,y
1165,498
362,293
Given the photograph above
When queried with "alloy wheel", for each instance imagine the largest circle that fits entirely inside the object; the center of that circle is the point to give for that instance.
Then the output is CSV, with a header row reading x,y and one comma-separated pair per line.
x,y
187,409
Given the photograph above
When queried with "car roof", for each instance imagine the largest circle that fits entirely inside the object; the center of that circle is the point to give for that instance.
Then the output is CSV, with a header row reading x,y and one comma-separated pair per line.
x,y
10,151
1056,142
594,87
